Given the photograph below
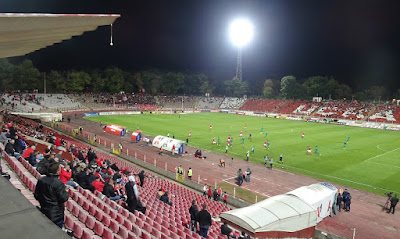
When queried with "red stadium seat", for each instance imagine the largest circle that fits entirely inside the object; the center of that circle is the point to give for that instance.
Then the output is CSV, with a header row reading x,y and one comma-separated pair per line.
x,y
82,216
114,226
123,233
107,234
87,234
98,229
78,229
106,221
90,222
68,222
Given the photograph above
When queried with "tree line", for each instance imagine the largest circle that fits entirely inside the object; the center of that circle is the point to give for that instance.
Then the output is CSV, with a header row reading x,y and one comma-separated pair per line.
x,y
25,76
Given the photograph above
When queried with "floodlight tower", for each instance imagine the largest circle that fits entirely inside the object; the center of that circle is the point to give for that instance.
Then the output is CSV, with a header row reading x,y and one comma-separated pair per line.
x,y
241,33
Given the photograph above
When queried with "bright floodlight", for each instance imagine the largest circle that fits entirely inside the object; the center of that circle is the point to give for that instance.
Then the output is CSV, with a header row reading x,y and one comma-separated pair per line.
x,y
241,32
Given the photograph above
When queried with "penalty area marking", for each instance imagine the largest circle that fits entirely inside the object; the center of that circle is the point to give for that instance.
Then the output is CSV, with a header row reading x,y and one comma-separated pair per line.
x,y
379,155
392,166
380,148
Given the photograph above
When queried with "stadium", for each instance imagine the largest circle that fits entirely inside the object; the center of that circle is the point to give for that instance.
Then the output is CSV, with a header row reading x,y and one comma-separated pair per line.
x,y
268,165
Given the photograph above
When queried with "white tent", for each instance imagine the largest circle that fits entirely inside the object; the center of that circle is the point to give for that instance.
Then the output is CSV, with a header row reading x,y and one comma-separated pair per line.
x,y
275,217
22,33
321,196
166,143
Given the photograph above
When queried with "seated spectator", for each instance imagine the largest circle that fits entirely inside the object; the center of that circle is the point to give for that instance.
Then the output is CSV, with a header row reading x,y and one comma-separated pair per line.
x,y
164,198
44,164
28,152
225,230
160,193
83,179
10,149
97,184
32,159
19,145
65,176
110,192
57,142
243,236
3,137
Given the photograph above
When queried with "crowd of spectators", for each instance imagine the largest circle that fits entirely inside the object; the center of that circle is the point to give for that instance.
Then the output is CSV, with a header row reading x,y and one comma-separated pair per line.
x,y
84,168
232,102
133,101
34,102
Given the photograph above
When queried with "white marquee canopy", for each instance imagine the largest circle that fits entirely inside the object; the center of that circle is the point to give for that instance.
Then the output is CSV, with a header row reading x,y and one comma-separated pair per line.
x,y
23,33
286,213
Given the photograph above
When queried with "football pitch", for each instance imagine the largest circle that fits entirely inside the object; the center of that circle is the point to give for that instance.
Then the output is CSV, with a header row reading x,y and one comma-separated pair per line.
x,y
370,161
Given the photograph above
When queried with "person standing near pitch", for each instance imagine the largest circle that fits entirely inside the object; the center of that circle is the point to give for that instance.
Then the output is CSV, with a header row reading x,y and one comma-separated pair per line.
x,y
271,162
302,135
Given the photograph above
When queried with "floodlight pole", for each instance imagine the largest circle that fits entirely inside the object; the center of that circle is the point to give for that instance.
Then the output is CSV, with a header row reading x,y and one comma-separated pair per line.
x,y
239,64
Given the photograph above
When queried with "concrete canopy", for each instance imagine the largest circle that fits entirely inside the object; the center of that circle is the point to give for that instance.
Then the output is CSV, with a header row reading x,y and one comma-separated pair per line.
x,y
23,33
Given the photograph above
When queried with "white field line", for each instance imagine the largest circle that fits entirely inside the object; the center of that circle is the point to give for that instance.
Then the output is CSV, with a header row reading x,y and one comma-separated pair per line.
x,y
380,148
379,155
346,180
388,165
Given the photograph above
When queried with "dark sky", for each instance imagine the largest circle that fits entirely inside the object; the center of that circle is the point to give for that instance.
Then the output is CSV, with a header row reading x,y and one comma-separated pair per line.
x,y
358,42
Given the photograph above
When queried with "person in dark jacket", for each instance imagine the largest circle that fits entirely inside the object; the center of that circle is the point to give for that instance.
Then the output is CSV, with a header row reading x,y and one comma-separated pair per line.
x,y
344,195
133,196
109,191
10,148
19,145
12,132
393,202
225,230
339,201
82,179
347,201
164,198
204,219
51,194
141,178
43,165
193,210
32,158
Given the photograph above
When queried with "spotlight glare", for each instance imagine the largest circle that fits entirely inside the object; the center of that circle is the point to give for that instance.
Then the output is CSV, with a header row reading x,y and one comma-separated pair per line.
x,y
241,32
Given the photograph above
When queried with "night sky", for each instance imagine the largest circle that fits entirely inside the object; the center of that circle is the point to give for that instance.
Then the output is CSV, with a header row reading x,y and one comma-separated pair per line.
x,y
357,42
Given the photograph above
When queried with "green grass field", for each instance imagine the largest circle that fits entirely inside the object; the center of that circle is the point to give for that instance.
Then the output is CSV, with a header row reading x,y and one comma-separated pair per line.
x,y
371,160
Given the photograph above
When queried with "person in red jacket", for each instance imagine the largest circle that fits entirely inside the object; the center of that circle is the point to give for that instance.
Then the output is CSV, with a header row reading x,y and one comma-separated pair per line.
x,y
57,143
209,192
65,176
28,151
98,185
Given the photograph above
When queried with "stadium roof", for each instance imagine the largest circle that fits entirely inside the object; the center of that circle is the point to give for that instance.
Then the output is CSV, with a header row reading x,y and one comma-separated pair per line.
x,y
23,33
286,213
